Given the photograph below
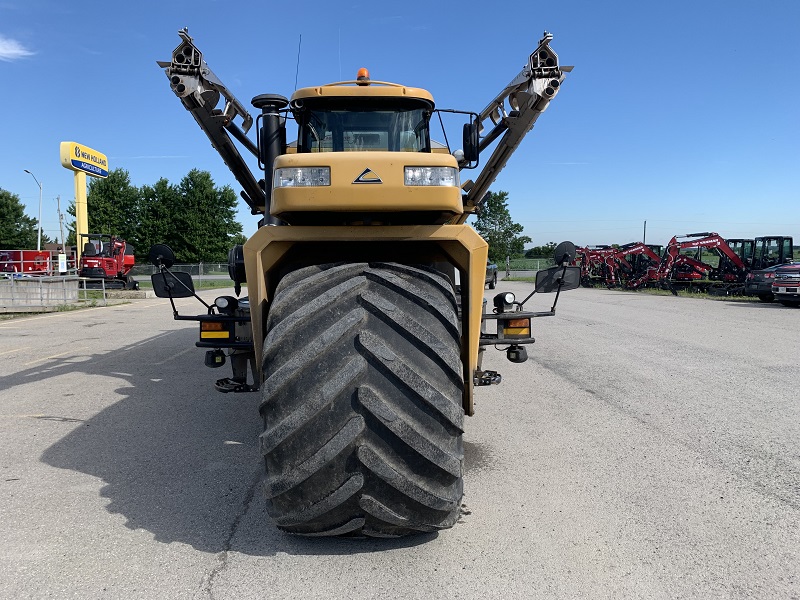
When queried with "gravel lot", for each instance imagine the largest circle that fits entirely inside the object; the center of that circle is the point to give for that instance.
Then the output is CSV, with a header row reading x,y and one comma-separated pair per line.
x,y
650,448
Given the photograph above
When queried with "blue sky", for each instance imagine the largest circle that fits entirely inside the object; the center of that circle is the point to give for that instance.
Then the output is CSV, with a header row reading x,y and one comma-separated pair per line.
x,y
683,114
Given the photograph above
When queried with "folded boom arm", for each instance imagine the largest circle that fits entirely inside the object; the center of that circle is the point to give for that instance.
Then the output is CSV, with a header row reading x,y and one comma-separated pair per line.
x,y
200,92
527,96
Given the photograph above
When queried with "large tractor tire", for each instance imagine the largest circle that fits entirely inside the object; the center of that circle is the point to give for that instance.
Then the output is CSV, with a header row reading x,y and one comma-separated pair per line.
x,y
362,401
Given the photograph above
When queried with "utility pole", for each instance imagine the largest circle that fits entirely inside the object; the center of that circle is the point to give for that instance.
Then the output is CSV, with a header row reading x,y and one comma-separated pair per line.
x,y
61,222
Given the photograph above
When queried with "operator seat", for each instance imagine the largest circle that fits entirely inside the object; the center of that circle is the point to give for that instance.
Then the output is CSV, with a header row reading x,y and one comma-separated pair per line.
x,y
89,249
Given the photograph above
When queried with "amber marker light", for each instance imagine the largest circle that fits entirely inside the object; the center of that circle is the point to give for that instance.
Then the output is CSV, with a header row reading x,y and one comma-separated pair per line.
x,y
517,328
363,76
213,329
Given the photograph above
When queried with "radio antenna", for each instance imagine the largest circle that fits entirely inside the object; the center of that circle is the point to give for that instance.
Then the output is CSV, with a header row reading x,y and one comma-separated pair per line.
x,y
297,70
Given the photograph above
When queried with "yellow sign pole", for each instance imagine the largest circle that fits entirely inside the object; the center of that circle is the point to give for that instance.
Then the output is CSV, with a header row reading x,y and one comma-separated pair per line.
x,y
83,161
81,214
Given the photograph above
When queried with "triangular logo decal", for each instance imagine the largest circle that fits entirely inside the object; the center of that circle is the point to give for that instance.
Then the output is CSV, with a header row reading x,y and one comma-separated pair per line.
x,y
368,176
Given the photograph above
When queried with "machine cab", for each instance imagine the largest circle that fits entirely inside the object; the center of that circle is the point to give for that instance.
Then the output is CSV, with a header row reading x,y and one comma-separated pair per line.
x,y
364,124
364,155
770,251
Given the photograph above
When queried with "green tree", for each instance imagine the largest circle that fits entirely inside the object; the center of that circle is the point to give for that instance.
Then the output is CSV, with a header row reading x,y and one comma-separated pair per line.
x,y
545,251
238,238
159,205
206,226
17,230
113,204
496,227
196,218
70,232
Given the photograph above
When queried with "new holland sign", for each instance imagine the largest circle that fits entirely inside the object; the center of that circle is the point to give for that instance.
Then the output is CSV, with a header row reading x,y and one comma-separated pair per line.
x,y
77,157
82,161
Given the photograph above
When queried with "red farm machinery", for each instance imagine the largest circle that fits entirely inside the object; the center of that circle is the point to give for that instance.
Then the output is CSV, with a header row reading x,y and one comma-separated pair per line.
x,y
696,261
107,261
25,262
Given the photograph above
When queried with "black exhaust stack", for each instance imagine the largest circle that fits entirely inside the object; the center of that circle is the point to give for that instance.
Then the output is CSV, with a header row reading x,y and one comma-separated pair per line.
x,y
271,141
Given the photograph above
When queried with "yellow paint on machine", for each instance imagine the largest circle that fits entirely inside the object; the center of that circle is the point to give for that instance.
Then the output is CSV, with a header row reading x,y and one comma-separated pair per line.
x,y
460,245
519,331
215,334
344,194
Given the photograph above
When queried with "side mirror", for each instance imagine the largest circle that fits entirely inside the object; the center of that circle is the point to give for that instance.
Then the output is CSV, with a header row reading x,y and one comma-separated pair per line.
x,y
547,280
161,255
169,284
471,142
564,253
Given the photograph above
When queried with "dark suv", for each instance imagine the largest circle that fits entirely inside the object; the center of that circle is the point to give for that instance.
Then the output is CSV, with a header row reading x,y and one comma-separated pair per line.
x,y
759,283
491,275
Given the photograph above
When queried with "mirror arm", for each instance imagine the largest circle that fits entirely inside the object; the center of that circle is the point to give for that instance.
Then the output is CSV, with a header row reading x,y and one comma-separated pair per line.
x,y
558,290
441,124
529,297
161,269
175,314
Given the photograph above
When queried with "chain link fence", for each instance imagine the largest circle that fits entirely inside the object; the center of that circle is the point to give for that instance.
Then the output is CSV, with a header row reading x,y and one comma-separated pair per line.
x,y
524,267
530,264
197,270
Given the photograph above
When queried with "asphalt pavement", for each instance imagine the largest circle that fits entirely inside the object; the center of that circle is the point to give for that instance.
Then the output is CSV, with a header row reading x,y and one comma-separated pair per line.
x,y
648,449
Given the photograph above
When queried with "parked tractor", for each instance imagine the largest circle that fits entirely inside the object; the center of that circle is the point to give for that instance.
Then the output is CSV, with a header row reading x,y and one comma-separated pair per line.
x,y
107,261
364,321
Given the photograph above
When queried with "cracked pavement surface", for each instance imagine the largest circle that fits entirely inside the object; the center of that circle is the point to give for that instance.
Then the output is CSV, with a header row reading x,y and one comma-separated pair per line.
x,y
648,448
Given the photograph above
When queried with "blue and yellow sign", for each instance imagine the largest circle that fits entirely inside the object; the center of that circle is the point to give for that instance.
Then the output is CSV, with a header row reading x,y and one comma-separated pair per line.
x,y
77,157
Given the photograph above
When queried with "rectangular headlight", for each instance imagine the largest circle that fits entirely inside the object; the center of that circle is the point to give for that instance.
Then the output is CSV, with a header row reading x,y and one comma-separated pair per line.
x,y
438,176
302,176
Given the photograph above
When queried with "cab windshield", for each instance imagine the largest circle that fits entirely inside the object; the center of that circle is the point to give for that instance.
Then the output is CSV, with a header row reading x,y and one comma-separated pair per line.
x,y
350,125
772,251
